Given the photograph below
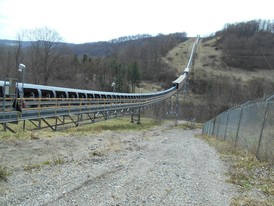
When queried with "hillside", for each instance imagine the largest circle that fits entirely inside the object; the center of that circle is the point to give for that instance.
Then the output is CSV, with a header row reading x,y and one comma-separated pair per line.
x,y
213,85
178,57
209,60
230,68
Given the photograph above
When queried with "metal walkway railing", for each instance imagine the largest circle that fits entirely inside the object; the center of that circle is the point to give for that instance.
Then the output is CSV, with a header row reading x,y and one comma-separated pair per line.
x,y
92,108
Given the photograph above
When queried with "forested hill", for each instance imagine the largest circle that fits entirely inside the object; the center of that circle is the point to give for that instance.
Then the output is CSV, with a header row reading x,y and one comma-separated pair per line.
x,y
106,48
231,67
126,61
248,45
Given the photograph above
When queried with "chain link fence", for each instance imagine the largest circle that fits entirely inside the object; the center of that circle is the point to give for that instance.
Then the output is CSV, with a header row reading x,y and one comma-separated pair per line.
x,y
250,127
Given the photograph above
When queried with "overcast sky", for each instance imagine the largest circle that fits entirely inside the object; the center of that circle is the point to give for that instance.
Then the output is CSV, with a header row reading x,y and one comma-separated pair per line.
x,y
79,21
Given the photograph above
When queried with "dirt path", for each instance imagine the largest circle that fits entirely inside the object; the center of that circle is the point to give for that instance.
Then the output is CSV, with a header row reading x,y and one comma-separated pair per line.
x,y
163,166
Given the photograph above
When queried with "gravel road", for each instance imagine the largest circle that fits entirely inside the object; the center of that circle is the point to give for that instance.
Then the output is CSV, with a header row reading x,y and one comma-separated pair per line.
x,y
162,166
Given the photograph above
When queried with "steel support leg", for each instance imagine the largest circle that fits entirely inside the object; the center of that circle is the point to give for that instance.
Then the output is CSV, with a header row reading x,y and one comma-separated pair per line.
x,y
177,108
139,116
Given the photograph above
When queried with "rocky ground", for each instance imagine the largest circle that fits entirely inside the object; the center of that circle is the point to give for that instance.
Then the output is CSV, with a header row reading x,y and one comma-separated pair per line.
x,y
161,166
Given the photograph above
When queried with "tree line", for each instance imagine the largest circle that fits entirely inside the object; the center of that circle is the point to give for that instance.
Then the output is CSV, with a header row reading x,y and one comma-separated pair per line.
x,y
51,62
248,45
223,92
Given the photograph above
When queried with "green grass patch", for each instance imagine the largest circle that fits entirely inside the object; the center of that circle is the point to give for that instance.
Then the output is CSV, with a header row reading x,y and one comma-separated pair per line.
x,y
31,167
17,135
58,161
4,173
248,201
245,171
118,124
47,162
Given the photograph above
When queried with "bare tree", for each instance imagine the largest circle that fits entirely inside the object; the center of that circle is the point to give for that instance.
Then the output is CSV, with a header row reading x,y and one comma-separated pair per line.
x,y
10,57
6,62
46,54
18,50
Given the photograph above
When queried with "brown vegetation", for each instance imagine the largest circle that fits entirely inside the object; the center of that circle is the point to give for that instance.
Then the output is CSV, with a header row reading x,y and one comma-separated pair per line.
x,y
254,179
230,68
217,85
248,45
124,61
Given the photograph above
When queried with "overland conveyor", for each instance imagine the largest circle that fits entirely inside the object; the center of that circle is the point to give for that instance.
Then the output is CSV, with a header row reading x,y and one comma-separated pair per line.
x,y
57,106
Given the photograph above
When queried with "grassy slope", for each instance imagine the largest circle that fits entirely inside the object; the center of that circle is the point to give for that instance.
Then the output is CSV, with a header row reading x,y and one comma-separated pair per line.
x,y
208,65
178,57
209,60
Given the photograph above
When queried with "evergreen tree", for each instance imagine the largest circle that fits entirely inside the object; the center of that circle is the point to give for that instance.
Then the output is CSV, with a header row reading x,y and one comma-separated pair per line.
x,y
134,75
85,58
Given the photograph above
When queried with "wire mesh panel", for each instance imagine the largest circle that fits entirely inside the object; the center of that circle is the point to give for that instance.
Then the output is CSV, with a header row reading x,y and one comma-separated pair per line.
x,y
266,149
216,125
212,123
222,125
206,128
232,124
250,126
209,128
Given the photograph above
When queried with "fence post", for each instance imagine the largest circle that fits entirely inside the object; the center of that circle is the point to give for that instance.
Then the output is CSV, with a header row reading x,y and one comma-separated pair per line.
x,y
239,124
213,127
263,124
